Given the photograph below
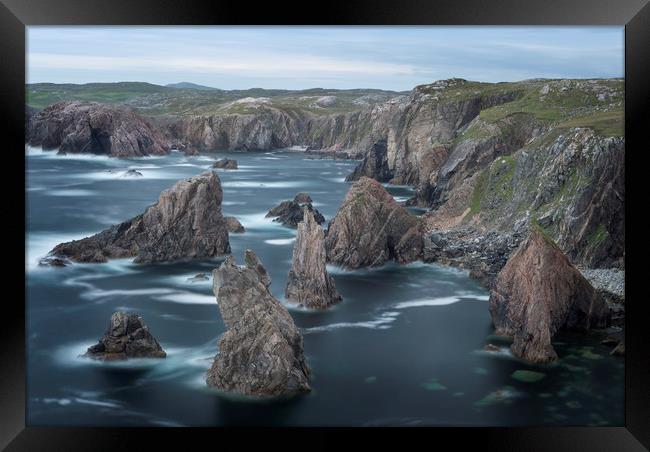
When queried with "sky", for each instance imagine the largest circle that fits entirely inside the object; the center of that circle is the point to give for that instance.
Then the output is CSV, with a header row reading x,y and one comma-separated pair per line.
x,y
392,58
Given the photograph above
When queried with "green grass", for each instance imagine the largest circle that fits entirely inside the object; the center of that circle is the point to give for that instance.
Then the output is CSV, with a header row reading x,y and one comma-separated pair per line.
x,y
606,123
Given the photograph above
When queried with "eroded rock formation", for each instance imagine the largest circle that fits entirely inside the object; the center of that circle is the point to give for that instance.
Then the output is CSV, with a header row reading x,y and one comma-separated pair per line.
x,y
261,354
371,228
186,222
90,127
127,336
539,292
309,284
290,213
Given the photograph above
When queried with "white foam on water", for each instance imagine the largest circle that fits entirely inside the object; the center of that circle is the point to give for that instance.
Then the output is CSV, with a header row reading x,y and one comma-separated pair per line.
x,y
39,244
269,158
97,403
233,203
401,198
441,301
382,322
252,184
189,298
257,221
336,179
100,293
280,241
71,192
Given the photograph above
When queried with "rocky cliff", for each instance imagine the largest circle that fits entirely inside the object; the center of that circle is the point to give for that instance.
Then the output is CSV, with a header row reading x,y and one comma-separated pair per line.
x,y
308,283
186,222
261,354
90,127
537,293
371,228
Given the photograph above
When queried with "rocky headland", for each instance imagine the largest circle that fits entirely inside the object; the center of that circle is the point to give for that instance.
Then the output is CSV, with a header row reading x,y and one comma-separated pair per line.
x,y
94,128
308,283
185,223
127,336
261,354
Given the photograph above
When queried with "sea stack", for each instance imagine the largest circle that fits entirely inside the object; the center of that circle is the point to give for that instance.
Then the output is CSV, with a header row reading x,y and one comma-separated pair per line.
x,y
261,354
185,223
127,336
371,228
539,292
309,284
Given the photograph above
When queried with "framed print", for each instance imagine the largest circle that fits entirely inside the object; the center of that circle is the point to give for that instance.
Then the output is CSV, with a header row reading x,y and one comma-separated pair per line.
x,y
385,220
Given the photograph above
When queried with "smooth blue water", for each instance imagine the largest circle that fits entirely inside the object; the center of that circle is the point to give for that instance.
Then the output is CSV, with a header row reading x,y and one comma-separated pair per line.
x,y
405,347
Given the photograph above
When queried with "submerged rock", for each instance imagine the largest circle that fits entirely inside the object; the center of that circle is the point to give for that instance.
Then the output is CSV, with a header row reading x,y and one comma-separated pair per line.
x,y
132,173
261,354
127,336
186,222
91,127
309,284
225,164
537,293
290,213
198,277
371,228
233,225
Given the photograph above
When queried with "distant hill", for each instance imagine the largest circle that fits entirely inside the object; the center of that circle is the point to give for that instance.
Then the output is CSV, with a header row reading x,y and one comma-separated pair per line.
x,y
190,85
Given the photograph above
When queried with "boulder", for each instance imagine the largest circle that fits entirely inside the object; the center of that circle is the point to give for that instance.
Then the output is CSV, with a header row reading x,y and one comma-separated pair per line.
x,y
198,278
371,228
127,336
186,222
261,354
309,284
290,213
225,164
539,292
233,225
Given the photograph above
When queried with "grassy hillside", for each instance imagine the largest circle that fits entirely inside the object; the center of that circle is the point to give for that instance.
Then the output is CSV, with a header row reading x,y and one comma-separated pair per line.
x,y
183,98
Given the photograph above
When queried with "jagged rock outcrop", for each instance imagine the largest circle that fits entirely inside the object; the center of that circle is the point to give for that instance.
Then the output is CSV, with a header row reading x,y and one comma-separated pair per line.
x,y
233,225
186,222
303,198
225,164
261,354
308,283
374,164
290,213
371,228
539,292
91,127
127,336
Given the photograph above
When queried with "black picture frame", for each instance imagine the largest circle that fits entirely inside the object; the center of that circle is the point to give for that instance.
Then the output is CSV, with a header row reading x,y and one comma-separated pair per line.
x,y
15,15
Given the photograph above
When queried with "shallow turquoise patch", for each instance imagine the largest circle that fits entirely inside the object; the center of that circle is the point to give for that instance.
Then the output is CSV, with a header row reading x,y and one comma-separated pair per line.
x,y
434,385
527,376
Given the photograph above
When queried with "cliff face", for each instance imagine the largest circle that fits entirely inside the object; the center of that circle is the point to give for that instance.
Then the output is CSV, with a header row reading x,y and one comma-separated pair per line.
x,y
571,184
186,222
90,127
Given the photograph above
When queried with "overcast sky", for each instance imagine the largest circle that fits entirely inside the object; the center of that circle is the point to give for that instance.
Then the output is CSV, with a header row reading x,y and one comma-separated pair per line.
x,y
396,58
